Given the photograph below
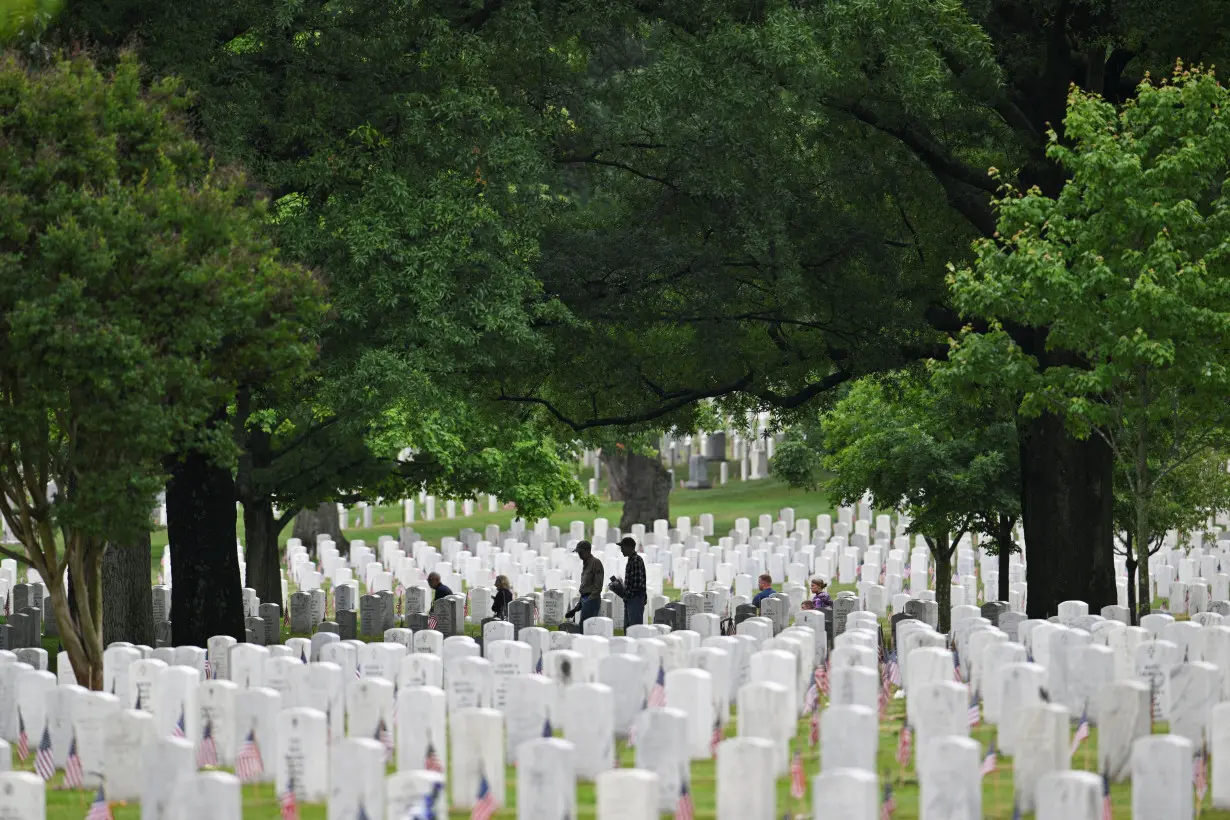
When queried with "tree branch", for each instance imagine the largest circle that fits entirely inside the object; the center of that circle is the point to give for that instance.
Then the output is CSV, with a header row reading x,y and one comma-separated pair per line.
x,y
593,159
686,398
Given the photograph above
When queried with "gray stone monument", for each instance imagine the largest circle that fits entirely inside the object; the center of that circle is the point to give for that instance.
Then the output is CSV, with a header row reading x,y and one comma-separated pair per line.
x,y
347,627
255,626
271,614
698,473
301,613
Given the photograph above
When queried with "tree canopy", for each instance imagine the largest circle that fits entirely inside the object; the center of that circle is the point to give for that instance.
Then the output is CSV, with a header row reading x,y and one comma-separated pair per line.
x,y
138,286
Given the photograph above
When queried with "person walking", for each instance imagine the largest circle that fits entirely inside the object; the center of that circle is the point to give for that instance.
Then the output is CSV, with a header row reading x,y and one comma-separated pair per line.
x,y
634,592
591,583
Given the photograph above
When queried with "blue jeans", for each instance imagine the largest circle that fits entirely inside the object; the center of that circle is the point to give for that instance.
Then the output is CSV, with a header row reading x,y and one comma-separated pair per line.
x,y
634,610
590,607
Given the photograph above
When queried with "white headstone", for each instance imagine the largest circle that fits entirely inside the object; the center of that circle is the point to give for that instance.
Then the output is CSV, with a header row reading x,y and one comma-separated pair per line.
x,y
1042,746
477,739
626,794
421,727
1162,778
745,780
546,780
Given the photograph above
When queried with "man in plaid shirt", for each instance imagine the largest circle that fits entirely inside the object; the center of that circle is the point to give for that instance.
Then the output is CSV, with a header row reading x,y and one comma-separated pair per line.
x,y
634,584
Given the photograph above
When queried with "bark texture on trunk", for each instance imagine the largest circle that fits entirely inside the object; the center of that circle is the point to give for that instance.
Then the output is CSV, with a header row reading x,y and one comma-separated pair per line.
x,y
129,611
322,519
643,484
1132,598
1005,557
1066,500
260,529
206,597
941,552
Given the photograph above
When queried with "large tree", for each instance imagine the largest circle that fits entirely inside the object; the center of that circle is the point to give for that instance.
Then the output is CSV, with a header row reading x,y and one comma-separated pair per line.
x,y
1127,270
413,184
137,284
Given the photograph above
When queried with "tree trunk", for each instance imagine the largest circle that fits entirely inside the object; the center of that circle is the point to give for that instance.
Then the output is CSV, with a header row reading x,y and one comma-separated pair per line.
x,y
129,613
206,594
1004,538
1066,502
323,519
1132,600
643,484
941,551
1144,585
260,529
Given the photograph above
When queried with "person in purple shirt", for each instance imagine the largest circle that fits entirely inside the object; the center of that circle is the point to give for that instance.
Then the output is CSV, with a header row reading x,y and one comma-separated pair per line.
x,y
819,598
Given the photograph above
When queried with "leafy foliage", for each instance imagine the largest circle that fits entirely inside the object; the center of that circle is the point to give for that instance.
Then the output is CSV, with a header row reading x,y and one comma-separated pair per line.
x,y
1127,271
137,286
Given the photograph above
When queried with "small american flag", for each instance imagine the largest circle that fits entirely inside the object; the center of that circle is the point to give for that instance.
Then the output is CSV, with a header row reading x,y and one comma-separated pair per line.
x,y
432,762
432,622
814,736
889,804
44,761
657,694
811,699
798,780
988,762
100,809
1200,774
822,678
975,714
303,655
248,763
286,617
385,737
894,669
178,731
538,666
485,808
716,738
209,670
1107,812
903,747
74,773
684,810
547,731
23,740
956,666
208,753
289,805
1082,732
884,698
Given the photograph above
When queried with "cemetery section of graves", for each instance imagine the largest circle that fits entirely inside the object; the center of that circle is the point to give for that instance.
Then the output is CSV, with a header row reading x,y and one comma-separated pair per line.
x,y
368,698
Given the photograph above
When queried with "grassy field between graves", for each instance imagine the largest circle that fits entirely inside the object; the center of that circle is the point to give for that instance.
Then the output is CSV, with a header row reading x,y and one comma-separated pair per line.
x,y
735,500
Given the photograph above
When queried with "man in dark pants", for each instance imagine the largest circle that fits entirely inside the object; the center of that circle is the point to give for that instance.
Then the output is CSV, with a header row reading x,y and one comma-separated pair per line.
x,y
635,594
591,583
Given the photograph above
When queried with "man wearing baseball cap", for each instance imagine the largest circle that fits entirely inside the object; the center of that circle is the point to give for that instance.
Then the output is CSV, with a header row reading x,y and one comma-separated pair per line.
x,y
591,583
634,592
